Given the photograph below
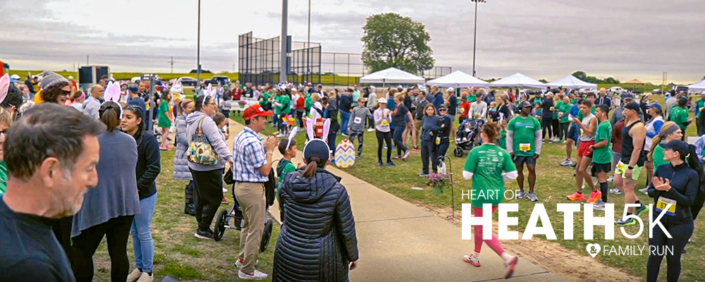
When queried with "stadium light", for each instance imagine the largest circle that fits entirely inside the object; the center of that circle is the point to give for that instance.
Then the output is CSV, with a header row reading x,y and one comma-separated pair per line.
x,y
474,44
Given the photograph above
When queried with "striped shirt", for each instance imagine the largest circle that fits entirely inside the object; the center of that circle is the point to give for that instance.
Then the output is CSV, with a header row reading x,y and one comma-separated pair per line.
x,y
249,155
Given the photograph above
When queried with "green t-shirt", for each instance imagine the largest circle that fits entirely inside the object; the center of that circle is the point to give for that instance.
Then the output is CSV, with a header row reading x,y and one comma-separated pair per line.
x,y
564,109
573,101
538,112
581,116
471,98
658,157
538,101
264,100
285,100
679,116
487,163
3,177
355,97
283,168
308,102
503,138
556,108
700,105
603,155
524,138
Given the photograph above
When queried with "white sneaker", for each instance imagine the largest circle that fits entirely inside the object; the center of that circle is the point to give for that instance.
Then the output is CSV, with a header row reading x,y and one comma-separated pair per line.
x,y
610,179
370,129
644,190
134,275
239,262
225,190
257,275
615,191
145,277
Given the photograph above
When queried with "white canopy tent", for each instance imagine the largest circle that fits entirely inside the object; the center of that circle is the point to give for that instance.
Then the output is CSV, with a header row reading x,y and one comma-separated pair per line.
x,y
391,75
518,80
458,79
700,86
571,82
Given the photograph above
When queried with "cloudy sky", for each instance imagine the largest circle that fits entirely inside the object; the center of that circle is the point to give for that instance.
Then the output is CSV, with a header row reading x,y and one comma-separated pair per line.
x,y
541,38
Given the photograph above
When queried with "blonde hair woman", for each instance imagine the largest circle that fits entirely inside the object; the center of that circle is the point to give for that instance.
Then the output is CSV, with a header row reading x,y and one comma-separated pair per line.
x,y
669,132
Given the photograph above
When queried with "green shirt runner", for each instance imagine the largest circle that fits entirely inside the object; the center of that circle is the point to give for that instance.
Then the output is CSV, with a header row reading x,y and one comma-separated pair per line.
x,y
557,108
487,162
680,117
564,109
603,155
524,139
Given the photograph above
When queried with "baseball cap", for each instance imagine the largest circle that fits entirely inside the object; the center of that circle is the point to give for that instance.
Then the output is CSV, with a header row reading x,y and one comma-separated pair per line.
x,y
632,106
702,93
382,101
678,146
317,148
442,107
450,89
657,106
628,96
682,100
524,104
255,111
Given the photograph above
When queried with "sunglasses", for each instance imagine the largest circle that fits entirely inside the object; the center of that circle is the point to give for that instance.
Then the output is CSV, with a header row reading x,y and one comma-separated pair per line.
x,y
65,92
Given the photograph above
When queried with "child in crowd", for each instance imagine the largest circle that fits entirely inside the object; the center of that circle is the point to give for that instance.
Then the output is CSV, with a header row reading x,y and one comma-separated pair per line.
x,y
464,107
221,121
537,111
492,110
165,119
356,126
285,166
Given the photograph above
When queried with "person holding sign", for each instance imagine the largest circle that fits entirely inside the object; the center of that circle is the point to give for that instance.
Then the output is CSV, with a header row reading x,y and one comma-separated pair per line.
x,y
674,189
524,145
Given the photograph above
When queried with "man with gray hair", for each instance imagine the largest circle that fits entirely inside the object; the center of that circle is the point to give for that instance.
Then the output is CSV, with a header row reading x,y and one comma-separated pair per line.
x,y
92,104
51,155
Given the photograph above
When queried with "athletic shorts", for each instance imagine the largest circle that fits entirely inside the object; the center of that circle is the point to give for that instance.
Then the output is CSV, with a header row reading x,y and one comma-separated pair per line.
x,y
622,170
584,149
520,160
602,167
573,132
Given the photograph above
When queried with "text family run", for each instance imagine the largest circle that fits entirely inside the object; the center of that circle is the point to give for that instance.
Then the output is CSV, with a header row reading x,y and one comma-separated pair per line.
x,y
539,214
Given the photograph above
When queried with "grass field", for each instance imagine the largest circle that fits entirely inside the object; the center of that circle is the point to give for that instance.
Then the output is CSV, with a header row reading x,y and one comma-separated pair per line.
x,y
177,252
554,182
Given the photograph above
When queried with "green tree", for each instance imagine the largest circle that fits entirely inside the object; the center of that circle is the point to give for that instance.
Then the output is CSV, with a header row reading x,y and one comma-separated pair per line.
x,y
580,75
391,40
543,81
611,80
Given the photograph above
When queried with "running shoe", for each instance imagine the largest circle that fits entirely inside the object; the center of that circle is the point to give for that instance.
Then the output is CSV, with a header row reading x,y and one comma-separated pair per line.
x,y
390,164
532,197
510,264
257,275
594,196
370,129
207,234
423,174
281,135
573,165
564,142
600,205
380,164
521,194
416,149
611,179
225,190
406,155
224,201
344,134
239,262
626,221
644,190
616,191
576,197
566,162
396,158
641,210
164,148
471,259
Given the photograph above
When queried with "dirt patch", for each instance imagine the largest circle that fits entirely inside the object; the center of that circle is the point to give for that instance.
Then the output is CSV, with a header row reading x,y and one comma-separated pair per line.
x,y
551,256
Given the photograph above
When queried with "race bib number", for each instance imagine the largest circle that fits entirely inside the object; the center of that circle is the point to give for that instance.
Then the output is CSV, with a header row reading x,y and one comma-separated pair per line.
x,y
524,147
621,166
551,108
384,123
477,115
663,202
462,110
560,113
438,140
357,120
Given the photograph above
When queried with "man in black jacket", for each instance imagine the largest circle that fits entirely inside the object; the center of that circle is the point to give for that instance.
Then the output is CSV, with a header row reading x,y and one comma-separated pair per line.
x,y
345,106
420,105
603,99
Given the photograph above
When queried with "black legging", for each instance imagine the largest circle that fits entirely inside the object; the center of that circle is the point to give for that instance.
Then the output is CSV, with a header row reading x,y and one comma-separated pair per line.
x,y
398,136
117,231
300,118
555,127
546,126
563,130
680,234
381,138
209,188
443,148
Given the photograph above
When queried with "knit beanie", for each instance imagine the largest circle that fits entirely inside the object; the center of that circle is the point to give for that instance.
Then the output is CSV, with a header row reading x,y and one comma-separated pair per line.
x,y
50,78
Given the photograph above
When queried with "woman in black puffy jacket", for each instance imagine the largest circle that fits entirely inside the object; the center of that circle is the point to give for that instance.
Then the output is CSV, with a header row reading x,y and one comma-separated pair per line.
x,y
317,240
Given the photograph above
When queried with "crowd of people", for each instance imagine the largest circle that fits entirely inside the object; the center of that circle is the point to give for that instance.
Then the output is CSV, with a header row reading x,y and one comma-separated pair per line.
x,y
59,146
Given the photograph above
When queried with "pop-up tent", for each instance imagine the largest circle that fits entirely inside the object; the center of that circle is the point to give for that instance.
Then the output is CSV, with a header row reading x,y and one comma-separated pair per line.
x,y
391,75
571,82
700,86
458,79
518,80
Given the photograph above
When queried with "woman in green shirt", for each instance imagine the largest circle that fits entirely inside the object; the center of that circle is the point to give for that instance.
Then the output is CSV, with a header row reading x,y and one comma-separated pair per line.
x,y
669,132
5,122
489,166
563,120
165,119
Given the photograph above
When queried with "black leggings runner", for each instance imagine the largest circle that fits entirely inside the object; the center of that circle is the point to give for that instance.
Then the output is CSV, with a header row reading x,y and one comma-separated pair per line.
x,y
117,231
546,126
680,234
555,127
209,188
381,138
563,130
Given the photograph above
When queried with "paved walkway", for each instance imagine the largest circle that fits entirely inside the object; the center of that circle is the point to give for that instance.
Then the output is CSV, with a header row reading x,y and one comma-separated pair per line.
x,y
399,241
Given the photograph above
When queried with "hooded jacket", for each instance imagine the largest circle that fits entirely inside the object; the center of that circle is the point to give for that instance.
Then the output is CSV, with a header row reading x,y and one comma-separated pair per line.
x,y
181,171
213,136
317,239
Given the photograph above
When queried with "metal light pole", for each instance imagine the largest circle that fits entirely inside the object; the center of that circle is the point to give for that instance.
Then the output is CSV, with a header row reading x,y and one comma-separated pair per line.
x,y
308,46
198,44
474,44
285,16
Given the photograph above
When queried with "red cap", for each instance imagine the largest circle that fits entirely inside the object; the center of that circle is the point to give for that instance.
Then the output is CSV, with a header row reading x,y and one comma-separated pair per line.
x,y
255,111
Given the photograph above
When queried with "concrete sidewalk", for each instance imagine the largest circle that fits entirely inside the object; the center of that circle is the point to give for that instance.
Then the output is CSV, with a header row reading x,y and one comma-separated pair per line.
x,y
399,241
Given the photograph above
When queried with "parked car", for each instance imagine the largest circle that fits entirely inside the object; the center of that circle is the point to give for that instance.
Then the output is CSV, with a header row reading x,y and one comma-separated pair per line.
x,y
189,81
616,89
224,80
656,92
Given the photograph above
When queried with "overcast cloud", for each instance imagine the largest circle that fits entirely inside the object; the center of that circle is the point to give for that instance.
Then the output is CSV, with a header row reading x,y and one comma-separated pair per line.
x,y
541,38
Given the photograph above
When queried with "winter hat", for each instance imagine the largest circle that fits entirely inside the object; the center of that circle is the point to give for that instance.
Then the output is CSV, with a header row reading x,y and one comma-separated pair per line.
x,y
318,148
50,78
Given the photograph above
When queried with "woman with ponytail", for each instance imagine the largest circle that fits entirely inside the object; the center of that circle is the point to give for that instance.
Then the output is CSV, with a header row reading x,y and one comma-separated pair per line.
x,y
674,189
319,227
669,132
148,168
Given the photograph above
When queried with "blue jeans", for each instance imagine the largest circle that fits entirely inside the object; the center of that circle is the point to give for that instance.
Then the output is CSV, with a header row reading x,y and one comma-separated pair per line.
x,y
398,136
344,119
142,234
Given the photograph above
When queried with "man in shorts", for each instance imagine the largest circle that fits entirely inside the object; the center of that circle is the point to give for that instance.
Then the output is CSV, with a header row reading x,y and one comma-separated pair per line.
x,y
524,135
588,126
629,167
602,153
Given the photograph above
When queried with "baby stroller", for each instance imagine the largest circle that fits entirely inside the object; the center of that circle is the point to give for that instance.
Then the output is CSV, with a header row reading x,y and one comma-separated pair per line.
x,y
223,221
467,136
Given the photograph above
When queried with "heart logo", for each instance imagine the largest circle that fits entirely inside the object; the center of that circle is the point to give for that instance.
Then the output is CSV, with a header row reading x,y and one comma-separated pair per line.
x,y
593,249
